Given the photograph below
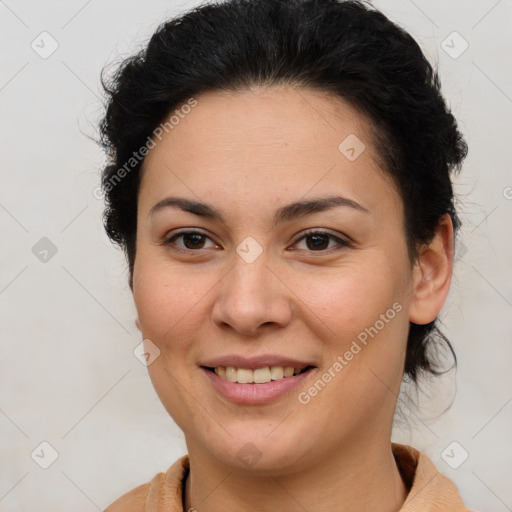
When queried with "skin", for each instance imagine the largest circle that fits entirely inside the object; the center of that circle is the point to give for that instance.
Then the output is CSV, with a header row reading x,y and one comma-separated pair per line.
x,y
247,154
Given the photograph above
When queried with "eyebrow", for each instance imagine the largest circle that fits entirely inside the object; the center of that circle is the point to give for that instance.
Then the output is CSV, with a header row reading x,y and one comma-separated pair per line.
x,y
285,213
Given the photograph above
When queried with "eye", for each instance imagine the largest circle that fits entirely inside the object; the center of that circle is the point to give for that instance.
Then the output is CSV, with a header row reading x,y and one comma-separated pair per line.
x,y
320,240
195,240
192,240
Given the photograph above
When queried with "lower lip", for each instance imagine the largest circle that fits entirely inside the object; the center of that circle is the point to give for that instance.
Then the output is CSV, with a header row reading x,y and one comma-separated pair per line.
x,y
255,394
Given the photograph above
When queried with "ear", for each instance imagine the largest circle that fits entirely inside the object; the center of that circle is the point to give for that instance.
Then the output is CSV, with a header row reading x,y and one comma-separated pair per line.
x,y
432,274
130,283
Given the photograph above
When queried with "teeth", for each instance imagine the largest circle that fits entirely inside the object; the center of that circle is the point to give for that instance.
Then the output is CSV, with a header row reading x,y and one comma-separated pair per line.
x,y
276,372
288,371
244,376
258,376
231,374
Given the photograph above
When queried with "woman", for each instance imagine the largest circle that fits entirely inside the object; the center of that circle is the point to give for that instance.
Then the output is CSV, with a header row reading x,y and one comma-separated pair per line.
x,y
279,180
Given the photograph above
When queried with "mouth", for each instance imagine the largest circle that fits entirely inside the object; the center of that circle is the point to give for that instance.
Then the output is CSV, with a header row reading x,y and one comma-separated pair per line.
x,y
256,379
261,375
258,385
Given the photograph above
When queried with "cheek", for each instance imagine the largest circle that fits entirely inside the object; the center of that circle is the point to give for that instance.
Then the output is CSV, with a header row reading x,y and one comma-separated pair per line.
x,y
350,299
166,300
367,324
365,346
168,303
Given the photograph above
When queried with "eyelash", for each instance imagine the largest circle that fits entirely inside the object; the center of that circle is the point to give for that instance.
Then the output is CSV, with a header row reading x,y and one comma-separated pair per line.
x,y
342,243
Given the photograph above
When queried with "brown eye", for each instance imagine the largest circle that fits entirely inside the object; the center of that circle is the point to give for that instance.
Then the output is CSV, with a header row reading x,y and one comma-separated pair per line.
x,y
318,241
192,240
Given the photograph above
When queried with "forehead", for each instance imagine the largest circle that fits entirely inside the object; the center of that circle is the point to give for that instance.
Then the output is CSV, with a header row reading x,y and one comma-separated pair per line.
x,y
263,143
277,115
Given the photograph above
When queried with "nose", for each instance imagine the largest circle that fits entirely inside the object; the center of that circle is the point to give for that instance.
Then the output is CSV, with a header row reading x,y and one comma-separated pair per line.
x,y
251,297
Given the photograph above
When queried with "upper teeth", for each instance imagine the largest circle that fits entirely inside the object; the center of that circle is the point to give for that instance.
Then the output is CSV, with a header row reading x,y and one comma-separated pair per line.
x,y
258,376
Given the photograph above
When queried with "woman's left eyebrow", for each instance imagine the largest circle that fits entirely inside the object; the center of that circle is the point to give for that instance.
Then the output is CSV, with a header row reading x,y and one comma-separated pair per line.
x,y
285,213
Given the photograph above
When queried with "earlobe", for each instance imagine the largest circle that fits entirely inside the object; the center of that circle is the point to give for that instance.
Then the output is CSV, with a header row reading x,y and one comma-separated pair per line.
x,y
432,274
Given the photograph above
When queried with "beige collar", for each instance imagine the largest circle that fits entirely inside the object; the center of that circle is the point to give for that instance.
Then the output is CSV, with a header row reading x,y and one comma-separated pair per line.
x,y
430,490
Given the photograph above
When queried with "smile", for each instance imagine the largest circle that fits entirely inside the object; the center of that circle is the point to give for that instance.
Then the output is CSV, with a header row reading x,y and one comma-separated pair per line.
x,y
257,386
258,375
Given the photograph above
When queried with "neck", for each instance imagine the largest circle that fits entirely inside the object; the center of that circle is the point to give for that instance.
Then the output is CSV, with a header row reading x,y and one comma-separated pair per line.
x,y
361,478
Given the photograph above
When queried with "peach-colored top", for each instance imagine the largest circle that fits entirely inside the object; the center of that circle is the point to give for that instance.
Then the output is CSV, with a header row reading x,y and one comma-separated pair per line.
x,y
429,490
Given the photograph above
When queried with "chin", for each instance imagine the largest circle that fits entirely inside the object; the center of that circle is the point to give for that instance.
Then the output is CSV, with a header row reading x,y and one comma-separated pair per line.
x,y
262,450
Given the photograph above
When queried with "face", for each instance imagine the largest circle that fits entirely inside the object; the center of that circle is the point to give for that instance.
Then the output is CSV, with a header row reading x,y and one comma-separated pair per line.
x,y
253,285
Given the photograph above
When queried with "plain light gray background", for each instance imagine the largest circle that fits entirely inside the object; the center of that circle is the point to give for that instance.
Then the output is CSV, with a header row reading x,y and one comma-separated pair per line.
x,y
68,375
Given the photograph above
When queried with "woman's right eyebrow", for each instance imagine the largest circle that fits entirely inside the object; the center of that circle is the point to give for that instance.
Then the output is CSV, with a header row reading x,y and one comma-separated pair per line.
x,y
285,213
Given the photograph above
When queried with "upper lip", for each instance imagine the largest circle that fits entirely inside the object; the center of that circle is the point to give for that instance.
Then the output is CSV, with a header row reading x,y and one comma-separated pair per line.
x,y
252,363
